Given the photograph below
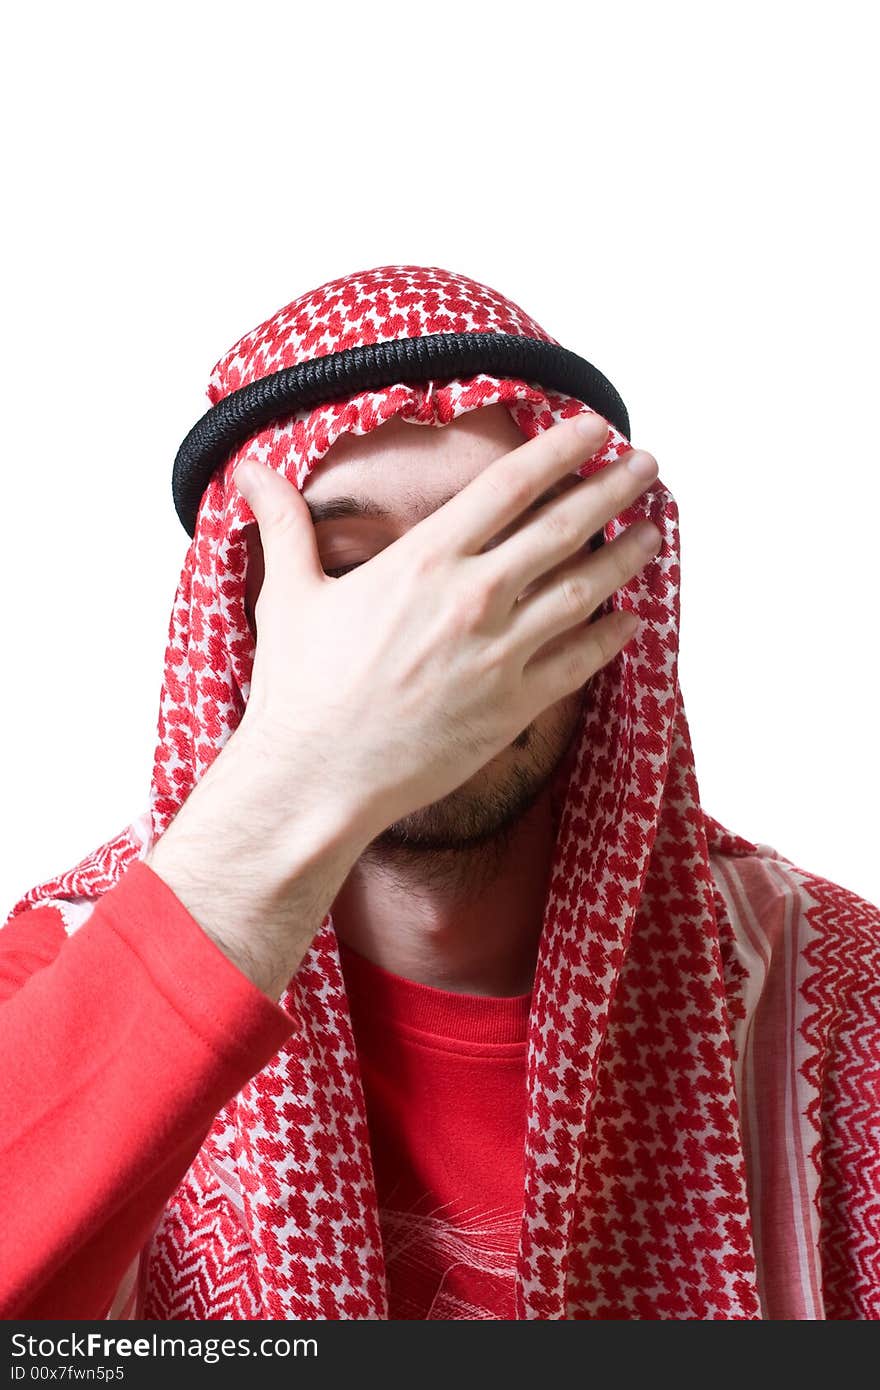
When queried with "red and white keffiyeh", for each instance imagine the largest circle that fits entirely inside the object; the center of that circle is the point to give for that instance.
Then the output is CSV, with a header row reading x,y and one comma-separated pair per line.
x,y
704,1040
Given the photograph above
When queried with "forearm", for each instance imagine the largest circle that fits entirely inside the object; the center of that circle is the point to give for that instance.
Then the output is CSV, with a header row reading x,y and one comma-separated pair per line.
x,y
257,877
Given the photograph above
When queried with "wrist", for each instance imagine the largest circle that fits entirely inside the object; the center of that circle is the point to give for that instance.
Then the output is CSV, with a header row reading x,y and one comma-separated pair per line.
x,y
277,795
257,858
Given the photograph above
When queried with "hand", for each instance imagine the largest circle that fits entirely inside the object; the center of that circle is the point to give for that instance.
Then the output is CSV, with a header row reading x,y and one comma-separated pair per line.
x,y
392,685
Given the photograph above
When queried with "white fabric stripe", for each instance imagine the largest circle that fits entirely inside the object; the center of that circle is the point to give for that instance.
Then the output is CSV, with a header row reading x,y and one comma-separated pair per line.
x,y
799,1143
752,959
797,897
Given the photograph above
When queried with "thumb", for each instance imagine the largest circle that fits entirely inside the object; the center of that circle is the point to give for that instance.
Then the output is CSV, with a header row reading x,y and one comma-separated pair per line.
x,y
286,532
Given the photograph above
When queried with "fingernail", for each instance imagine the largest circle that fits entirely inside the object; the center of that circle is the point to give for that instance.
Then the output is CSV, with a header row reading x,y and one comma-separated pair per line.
x,y
644,465
648,536
588,424
248,471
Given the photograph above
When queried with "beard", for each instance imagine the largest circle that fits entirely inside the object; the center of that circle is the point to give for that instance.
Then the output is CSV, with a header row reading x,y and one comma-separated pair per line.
x,y
484,812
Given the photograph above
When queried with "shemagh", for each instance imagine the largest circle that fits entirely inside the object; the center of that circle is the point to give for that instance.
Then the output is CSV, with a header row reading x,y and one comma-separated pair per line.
x,y
702,1071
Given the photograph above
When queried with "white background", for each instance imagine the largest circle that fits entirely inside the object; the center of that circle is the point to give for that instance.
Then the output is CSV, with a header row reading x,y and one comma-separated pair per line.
x,y
682,195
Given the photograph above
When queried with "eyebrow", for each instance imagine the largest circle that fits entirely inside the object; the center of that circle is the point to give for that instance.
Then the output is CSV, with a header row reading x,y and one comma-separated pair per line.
x,y
349,505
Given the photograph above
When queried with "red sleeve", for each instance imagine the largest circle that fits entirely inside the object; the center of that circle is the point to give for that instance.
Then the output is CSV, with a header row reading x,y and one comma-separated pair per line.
x,y
119,1043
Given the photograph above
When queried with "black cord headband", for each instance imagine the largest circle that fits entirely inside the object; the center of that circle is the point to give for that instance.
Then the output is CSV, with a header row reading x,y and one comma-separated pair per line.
x,y
434,357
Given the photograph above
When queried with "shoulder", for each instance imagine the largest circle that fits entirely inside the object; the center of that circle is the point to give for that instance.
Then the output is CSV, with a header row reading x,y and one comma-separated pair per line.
x,y
776,905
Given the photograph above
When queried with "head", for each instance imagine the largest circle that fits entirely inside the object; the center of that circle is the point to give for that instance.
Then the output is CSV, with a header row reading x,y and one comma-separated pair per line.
x,y
405,471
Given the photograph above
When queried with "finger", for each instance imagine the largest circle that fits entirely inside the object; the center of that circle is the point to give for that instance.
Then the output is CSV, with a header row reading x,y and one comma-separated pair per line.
x,y
568,599
511,483
290,546
572,662
562,527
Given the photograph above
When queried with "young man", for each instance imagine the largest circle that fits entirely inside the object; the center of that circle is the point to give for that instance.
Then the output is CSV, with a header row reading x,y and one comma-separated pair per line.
x,y
426,988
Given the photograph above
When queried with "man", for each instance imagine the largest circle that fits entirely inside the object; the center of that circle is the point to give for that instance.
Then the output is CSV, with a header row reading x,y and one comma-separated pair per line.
x,y
550,1042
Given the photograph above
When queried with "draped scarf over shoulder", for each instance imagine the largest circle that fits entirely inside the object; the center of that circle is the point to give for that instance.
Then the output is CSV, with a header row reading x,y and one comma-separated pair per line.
x,y
638,1200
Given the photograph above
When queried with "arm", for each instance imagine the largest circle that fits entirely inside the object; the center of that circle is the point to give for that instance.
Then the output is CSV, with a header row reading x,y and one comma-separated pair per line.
x,y
124,1040
119,1046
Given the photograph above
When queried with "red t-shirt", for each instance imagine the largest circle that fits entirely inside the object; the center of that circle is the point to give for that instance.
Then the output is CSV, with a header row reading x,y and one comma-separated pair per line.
x,y
444,1078
93,1143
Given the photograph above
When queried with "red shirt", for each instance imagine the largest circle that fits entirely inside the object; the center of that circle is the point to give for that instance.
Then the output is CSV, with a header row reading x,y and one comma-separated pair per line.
x,y
444,1078
93,1143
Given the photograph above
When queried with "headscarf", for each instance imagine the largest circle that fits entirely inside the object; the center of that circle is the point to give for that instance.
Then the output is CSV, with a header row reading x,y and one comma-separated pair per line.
x,y
648,1153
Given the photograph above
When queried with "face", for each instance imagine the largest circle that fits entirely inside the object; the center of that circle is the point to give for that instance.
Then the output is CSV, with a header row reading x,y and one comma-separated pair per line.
x,y
403,472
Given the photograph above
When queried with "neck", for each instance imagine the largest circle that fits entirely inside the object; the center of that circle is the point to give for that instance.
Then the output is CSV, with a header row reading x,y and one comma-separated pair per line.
x,y
467,920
